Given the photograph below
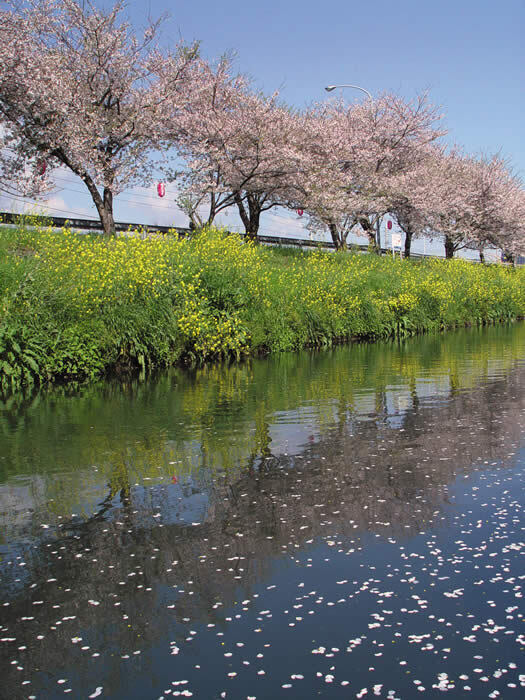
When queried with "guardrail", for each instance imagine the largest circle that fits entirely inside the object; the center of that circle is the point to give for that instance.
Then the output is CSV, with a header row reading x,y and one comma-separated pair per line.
x,y
121,226
83,224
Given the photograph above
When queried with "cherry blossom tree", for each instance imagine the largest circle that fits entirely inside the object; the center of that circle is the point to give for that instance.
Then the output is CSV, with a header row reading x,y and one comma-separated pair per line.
x,y
409,194
357,154
29,178
474,202
409,220
239,148
202,192
511,235
79,89
499,201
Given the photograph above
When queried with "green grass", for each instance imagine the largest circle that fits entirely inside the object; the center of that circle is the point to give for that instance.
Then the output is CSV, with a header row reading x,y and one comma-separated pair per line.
x,y
75,307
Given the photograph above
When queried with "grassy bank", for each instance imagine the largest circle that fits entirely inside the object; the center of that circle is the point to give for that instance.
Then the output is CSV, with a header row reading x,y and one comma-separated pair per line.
x,y
74,307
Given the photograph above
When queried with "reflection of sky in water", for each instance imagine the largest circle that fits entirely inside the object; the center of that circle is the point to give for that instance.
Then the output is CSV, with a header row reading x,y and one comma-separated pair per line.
x,y
182,503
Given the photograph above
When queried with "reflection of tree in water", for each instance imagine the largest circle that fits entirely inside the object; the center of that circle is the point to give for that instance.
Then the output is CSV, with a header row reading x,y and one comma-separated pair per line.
x,y
361,475
217,416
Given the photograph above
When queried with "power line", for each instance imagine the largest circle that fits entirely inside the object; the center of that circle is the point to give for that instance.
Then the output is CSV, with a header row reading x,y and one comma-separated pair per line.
x,y
69,189
26,200
235,227
121,199
152,198
288,219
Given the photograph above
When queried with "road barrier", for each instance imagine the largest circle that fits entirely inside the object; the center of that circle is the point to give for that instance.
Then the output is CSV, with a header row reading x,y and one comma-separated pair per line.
x,y
94,225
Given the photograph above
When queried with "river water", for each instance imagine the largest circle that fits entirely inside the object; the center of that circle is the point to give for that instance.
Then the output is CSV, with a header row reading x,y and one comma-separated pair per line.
x,y
344,523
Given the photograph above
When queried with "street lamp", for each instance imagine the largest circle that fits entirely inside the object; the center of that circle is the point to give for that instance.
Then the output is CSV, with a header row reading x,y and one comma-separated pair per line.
x,y
329,88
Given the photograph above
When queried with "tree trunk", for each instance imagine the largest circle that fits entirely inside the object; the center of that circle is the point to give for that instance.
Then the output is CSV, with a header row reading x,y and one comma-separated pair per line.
x,y
370,231
212,212
106,214
253,229
104,205
372,242
250,218
337,238
408,241
449,248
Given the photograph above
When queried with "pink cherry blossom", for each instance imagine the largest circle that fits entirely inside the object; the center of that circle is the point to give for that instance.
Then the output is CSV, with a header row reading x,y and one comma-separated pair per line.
x,y
80,90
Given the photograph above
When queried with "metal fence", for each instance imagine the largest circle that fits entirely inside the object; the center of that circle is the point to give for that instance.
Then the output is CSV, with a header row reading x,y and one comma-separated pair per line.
x,y
94,225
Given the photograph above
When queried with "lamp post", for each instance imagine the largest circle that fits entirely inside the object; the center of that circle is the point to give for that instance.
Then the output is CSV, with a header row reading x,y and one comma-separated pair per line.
x,y
329,88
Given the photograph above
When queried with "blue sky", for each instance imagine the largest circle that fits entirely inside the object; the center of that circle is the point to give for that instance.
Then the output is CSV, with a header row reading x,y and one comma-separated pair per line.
x,y
469,54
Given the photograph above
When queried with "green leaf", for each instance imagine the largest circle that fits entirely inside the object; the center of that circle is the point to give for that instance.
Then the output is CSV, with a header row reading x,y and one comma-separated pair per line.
x,y
31,363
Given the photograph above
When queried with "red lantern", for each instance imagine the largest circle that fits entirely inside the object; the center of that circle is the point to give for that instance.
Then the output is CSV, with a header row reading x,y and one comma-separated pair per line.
x,y
300,212
161,189
389,224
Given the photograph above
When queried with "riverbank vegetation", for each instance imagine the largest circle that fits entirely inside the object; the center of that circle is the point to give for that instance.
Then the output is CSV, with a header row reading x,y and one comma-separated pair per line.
x,y
74,307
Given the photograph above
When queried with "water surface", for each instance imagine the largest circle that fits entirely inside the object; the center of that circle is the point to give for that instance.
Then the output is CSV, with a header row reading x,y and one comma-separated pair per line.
x,y
338,524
